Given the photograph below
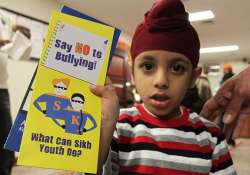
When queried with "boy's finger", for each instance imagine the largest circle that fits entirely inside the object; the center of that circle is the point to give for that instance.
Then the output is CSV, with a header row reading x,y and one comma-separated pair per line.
x,y
109,91
97,90
108,81
104,91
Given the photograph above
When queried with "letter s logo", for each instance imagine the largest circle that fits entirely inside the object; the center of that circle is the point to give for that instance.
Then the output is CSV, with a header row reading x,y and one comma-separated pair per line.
x,y
57,105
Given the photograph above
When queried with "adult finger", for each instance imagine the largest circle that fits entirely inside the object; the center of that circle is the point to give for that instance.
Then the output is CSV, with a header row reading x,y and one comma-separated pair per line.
x,y
219,101
229,129
233,108
222,101
240,124
210,106
215,114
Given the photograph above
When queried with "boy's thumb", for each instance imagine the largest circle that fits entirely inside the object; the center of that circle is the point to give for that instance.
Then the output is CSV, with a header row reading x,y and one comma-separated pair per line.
x,y
106,91
97,90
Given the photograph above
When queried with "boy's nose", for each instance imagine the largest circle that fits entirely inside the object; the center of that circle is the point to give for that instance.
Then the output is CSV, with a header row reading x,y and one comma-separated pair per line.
x,y
161,80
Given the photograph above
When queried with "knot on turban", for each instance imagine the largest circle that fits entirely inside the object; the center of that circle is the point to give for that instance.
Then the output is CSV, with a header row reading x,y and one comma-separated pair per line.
x,y
166,27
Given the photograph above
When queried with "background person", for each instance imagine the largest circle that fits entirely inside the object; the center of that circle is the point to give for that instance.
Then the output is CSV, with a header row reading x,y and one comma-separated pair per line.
x,y
7,157
227,72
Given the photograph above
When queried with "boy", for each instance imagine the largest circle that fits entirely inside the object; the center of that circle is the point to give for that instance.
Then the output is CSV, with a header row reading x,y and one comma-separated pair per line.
x,y
159,136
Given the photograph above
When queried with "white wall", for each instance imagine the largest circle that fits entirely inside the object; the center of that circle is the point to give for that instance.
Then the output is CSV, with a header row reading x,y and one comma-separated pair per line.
x,y
40,9
20,72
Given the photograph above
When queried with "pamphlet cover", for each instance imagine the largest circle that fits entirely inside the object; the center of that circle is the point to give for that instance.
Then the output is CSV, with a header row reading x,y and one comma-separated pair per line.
x,y
62,128
14,138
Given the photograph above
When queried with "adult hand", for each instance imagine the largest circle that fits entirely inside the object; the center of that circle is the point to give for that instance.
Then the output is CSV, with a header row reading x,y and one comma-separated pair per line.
x,y
232,100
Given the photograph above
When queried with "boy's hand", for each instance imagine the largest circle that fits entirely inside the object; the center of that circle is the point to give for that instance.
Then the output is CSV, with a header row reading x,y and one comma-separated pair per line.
x,y
110,103
110,113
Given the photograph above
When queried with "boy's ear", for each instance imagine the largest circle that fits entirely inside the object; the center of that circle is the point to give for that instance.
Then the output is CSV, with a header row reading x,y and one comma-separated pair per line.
x,y
196,74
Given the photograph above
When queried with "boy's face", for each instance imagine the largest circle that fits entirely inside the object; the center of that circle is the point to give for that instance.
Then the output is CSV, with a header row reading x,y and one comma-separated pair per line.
x,y
162,79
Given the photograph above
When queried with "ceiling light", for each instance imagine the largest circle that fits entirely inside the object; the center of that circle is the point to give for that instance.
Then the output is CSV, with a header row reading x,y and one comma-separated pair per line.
x,y
201,16
219,49
213,74
214,67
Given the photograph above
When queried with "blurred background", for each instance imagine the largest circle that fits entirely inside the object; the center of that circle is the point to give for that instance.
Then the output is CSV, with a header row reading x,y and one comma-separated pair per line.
x,y
223,27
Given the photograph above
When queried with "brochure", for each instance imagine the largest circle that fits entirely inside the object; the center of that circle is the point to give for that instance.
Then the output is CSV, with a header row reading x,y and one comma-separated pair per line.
x,y
15,136
62,128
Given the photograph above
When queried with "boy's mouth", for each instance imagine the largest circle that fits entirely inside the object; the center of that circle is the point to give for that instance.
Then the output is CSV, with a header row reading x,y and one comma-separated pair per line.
x,y
159,100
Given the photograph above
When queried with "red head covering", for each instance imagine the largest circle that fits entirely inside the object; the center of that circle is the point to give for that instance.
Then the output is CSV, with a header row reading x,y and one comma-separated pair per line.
x,y
166,27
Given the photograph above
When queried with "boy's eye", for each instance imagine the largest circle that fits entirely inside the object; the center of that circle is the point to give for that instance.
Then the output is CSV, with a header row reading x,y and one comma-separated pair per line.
x,y
178,68
148,66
